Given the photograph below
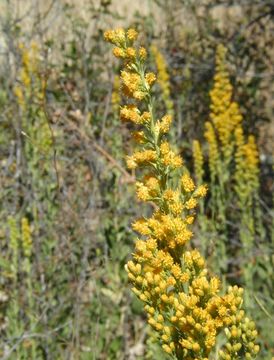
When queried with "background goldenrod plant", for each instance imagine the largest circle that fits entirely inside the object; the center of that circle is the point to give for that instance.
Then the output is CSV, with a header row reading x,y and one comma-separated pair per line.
x,y
163,78
62,168
181,300
233,163
20,308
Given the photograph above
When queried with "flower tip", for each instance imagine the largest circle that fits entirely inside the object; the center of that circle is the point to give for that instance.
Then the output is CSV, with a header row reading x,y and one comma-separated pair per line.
x,y
132,34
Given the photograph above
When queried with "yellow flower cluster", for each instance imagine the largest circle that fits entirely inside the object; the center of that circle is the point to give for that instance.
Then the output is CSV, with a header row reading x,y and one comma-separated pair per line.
x,y
163,78
182,303
181,300
225,138
252,161
241,334
225,114
198,161
20,238
247,165
30,68
30,94
26,237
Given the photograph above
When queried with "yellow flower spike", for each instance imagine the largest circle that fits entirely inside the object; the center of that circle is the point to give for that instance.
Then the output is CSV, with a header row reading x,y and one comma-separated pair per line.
x,y
26,237
163,78
161,266
247,183
18,92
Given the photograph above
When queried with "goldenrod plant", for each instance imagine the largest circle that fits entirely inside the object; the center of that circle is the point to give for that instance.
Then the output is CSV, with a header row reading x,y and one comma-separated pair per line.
x,y
182,300
232,216
39,136
247,186
30,92
246,180
163,78
233,163
37,155
219,133
27,245
20,310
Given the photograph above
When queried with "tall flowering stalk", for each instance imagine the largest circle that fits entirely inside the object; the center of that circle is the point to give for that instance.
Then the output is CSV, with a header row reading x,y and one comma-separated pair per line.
x,y
181,300
246,187
30,93
225,114
246,177
163,78
233,160
20,309
225,117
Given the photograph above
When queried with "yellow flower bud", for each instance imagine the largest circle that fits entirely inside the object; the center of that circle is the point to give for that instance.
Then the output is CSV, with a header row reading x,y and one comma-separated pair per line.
x,y
167,349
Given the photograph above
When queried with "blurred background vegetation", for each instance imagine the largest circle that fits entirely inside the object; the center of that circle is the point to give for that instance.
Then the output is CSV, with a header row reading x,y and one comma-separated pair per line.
x,y
67,199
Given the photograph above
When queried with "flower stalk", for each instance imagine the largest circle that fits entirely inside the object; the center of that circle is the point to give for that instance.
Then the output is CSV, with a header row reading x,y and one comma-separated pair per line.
x,y
183,303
